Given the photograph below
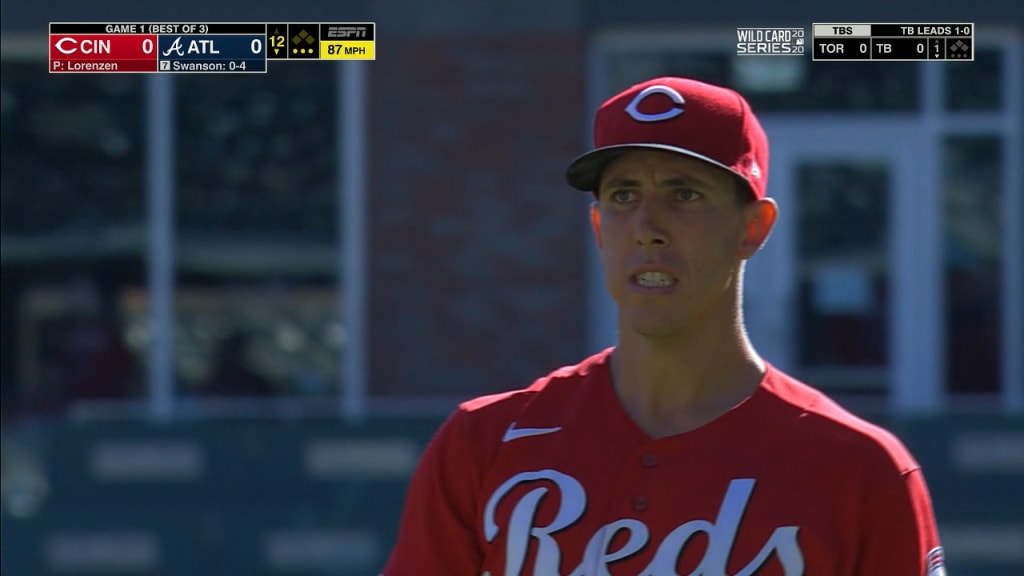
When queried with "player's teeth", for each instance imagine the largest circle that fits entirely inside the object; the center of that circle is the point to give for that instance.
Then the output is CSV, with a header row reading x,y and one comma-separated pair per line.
x,y
653,279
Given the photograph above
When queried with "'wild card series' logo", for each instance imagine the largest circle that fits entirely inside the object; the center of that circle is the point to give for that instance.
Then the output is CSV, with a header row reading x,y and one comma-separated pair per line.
x,y
769,41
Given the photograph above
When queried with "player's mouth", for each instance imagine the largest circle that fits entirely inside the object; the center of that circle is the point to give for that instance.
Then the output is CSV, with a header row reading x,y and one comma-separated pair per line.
x,y
653,281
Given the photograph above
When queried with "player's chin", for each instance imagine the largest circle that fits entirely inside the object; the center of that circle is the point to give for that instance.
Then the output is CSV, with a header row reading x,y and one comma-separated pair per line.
x,y
652,323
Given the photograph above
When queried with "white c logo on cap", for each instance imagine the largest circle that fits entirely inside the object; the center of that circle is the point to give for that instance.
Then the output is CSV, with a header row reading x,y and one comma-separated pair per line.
x,y
672,112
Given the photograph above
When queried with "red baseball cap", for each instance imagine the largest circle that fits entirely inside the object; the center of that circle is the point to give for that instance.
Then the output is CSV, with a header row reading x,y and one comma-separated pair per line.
x,y
703,121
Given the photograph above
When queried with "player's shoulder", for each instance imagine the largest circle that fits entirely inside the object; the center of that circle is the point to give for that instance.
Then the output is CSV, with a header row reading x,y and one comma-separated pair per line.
x,y
824,422
485,419
564,380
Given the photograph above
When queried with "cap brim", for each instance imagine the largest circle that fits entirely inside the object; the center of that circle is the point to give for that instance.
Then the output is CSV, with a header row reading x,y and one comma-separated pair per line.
x,y
584,173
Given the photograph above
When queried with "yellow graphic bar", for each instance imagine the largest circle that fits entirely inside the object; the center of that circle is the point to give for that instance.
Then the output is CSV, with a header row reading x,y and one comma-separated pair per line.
x,y
347,50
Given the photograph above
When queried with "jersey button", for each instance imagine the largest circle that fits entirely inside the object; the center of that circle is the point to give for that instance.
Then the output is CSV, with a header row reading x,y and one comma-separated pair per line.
x,y
649,460
639,503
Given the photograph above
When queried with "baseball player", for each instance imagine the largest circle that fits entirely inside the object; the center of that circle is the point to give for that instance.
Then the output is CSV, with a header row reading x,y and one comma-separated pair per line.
x,y
679,451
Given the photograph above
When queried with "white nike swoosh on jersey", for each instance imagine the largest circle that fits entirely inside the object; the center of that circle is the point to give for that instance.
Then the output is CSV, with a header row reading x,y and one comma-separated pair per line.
x,y
514,433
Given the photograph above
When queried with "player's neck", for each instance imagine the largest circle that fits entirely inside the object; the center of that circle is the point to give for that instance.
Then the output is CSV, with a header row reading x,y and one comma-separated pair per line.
x,y
670,386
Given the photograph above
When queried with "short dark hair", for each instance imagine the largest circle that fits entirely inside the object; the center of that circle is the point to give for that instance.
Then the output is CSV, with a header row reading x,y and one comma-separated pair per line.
x,y
744,194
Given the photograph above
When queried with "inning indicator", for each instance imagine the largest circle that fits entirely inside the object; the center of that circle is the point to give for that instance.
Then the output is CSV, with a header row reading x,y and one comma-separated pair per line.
x,y
897,42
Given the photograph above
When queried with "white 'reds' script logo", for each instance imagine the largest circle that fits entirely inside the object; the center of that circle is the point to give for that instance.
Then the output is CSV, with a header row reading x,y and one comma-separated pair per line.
x,y
721,533
675,110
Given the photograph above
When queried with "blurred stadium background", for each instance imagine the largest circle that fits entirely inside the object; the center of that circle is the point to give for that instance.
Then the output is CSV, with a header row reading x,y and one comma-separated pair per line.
x,y
234,307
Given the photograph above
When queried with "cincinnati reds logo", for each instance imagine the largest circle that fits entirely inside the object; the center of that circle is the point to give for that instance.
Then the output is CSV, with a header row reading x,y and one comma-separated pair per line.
x,y
597,557
675,110
60,45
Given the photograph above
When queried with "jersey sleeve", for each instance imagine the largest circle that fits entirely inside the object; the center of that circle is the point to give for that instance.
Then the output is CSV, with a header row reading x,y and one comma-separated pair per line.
x,y
437,535
900,534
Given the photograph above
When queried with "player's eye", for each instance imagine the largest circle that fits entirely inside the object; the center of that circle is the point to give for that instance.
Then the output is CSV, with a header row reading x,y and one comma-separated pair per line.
x,y
687,194
622,196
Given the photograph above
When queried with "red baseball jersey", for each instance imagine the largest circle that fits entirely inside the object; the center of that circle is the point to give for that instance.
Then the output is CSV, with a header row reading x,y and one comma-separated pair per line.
x,y
557,479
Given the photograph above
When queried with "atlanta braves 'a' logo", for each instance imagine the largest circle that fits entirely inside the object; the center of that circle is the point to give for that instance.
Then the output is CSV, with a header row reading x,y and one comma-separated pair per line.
x,y
721,533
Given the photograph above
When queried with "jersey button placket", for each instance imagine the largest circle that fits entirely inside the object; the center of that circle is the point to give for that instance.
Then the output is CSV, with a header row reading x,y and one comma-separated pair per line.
x,y
647,460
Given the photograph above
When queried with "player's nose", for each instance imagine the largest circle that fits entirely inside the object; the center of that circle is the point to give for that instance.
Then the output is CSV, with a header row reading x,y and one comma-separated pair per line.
x,y
648,226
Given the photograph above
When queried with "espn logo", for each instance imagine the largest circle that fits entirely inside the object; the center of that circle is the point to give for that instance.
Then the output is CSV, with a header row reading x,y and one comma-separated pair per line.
x,y
346,32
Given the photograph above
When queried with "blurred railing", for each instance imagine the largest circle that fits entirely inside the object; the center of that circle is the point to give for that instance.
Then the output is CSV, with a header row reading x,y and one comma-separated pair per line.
x,y
277,495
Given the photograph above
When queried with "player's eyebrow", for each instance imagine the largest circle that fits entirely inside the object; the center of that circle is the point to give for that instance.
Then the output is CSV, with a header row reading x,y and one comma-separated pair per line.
x,y
621,182
687,180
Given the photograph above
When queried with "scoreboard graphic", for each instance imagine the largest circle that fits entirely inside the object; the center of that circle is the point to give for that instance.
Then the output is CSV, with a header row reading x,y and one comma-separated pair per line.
x,y
893,42
202,47
232,47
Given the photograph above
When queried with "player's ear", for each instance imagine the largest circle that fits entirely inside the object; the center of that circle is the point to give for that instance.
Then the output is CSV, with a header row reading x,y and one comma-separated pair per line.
x,y
595,222
759,220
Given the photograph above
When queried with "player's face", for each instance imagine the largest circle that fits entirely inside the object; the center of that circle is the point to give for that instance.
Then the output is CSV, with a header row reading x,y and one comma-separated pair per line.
x,y
673,236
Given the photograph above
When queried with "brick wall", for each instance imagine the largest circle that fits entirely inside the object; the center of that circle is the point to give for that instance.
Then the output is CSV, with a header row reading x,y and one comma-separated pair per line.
x,y
477,244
